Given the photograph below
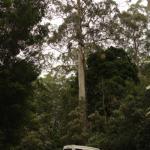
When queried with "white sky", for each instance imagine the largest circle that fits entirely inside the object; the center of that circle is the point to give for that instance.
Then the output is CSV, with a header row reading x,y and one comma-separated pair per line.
x,y
123,4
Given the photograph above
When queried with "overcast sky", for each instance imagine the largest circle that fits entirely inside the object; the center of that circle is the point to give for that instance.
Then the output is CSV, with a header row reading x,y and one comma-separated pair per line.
x,y
123,4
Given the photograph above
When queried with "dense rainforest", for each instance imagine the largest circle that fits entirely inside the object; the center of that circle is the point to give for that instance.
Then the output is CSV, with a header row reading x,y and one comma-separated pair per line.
x,y
74,72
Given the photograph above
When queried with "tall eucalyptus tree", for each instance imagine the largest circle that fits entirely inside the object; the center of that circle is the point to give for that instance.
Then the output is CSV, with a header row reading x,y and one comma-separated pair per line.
x,y
87,24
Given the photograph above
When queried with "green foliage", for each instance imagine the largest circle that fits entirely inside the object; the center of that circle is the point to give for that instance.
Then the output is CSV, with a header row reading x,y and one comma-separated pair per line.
x,y
46,114
19,30
52,101
118,102
15,87
133,32
126,128
107,75
75,130
18,26
55,117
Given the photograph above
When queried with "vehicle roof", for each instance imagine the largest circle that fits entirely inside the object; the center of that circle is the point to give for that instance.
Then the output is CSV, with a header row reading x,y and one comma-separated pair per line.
x,y
80,147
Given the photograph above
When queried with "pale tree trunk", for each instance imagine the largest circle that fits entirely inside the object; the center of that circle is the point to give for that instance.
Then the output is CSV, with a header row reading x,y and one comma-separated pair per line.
x,y
148,13
81,67
81,82
148,26
81,76
148,4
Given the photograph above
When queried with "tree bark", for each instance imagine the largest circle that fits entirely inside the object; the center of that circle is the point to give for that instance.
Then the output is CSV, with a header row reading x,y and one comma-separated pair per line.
x,y
81,76
148,4
81,66
148,13
148,25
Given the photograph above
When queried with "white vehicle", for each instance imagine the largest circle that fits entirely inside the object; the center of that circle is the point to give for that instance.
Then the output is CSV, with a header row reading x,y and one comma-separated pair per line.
x,y
78,147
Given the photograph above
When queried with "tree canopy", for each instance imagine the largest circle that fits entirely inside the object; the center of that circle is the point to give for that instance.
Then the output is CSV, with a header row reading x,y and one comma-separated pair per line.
x,y
97,91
